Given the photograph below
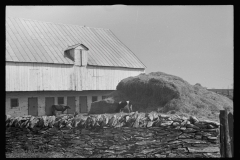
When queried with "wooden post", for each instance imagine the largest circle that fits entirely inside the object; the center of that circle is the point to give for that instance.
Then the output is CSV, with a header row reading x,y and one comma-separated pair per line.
x,y
227,137
224,133
222,141
230,124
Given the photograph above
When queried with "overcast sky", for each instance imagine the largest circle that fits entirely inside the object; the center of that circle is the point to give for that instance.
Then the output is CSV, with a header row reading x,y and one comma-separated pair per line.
x,y
192,42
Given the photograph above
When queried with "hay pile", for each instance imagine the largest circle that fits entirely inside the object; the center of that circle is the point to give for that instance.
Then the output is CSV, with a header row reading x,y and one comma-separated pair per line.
x,y
170,94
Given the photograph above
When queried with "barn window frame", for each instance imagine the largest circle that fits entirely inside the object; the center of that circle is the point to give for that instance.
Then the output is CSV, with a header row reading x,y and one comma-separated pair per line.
x,y
93,98
60,99
14,102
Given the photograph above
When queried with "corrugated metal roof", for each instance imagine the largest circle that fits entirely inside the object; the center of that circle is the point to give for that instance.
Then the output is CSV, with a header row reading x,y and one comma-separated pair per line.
x,y
45,42
75,46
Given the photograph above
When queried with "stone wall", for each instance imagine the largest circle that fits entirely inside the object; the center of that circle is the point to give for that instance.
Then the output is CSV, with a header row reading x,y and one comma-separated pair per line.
x,y
139,135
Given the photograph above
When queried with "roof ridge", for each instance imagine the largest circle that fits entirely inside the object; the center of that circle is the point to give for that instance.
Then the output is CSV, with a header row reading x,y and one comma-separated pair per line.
x,y
56,23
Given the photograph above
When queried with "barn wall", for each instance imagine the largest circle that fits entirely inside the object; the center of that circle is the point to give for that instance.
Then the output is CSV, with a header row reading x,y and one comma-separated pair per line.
x,y
38,77
22,109
106,78
57,77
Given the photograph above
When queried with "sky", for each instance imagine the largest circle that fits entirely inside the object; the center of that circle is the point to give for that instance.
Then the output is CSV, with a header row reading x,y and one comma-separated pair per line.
x,y
191,42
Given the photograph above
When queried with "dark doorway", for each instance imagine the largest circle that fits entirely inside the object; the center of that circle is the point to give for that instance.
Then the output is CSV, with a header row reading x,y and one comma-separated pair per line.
x,y
71,103
83,104
33,106
49,101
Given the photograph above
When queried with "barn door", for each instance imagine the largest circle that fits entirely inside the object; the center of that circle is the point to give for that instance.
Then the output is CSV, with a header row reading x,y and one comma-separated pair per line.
x,y
49,101
71,103
83,104
33,106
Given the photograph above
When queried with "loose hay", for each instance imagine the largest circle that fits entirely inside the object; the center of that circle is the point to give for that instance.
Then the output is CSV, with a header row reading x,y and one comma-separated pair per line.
x,y
170,94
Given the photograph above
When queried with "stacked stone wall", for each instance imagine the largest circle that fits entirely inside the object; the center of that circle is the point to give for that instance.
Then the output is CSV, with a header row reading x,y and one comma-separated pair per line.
x,y
126,135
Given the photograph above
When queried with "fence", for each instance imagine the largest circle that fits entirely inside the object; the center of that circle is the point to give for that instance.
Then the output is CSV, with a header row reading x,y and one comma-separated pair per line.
x,y
226,134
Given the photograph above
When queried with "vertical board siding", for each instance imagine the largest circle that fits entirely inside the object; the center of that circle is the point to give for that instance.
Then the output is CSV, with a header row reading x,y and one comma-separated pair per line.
x,y
47,77
37,77
106,78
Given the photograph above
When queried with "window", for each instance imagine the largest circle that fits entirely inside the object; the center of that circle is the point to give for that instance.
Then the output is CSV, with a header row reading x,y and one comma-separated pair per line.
x,y
94,98
60,100
103,97
14,102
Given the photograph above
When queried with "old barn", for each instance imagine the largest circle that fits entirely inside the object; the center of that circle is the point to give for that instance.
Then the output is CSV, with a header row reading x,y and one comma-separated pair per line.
x,y
51,63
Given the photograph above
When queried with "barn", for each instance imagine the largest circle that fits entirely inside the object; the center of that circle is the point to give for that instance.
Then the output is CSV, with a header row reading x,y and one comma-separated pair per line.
x,y
51,63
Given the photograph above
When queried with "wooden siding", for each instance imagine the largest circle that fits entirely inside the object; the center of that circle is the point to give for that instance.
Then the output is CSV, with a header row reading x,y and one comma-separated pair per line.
x,y
59,77
38,77
106,78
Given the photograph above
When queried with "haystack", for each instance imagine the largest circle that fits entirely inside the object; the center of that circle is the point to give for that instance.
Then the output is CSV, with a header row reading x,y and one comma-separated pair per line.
x,y
158,91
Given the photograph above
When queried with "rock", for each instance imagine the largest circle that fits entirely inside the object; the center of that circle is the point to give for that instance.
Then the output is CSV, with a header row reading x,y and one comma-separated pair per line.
x,y
209,126
145,142
198,137
162,133
192,126
210,130
112,121
175,124
193,119
149,124
174,142
171,155
212,138
201,145
146,151
200,125
154,115
166,123
110,151
184,122
189,130
180,150
160,156
193,141
204,149
177,127
128,156
140,156
176,118
167,139
173,134
163,116
183,128
206,134
116,147
210,122
212,155
199,133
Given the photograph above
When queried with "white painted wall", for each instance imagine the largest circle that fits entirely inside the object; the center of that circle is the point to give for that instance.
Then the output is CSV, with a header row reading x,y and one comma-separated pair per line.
x,y
58,77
